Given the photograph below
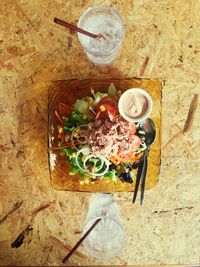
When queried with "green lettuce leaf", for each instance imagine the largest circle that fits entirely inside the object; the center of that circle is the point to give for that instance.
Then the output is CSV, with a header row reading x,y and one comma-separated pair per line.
x,y
111,174
98,96
81,106
77,119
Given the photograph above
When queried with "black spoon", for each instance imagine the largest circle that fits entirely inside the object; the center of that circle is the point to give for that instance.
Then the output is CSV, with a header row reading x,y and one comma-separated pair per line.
x,y
149,129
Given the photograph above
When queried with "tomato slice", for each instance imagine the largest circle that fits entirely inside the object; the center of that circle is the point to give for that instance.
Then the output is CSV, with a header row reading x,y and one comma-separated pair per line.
x,y
129,156
107,105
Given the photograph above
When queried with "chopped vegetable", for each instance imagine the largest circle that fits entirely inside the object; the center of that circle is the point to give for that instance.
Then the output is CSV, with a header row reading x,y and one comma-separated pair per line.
x,y
112,90
81,106
86,165
111,174
107,105
98,96
77,118
68,126
126,177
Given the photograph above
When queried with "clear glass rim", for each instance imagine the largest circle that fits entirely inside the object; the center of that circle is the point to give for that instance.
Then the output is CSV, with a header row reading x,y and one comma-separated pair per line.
x,y
89,223
122,23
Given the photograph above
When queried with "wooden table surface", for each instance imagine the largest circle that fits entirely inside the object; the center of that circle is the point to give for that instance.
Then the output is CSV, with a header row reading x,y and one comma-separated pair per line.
x,y
34,52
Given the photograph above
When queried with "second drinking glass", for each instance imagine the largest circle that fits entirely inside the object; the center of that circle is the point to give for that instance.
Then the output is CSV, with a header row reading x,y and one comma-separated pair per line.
x,y
108,237
106,21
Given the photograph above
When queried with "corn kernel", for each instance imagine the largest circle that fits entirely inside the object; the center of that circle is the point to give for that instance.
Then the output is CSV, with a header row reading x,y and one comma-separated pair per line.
x,y
81,182
73,155
102,108
60,130
89,99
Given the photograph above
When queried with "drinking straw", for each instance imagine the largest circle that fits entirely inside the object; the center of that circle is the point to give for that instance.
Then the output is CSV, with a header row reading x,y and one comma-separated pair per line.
x,y
76,29
81,240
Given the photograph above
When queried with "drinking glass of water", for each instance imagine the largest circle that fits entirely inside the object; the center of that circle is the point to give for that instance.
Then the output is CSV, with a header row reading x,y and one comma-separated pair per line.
x,y
107,22
107,239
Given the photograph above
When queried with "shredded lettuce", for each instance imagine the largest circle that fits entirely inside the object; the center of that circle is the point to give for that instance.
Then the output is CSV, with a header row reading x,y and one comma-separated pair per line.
x,y
81,106
111,174
76,170
77,119
71,155
112,90
68,152
98,96
68,126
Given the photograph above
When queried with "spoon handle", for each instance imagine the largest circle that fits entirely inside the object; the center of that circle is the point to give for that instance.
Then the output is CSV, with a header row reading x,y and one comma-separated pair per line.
x,y
143,176
138,178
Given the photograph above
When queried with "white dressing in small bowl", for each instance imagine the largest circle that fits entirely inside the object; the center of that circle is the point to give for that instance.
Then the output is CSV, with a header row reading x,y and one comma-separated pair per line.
x,y
135,105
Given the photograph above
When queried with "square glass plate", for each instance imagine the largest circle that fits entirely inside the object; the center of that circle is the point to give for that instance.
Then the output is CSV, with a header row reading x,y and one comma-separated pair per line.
x,y
67,92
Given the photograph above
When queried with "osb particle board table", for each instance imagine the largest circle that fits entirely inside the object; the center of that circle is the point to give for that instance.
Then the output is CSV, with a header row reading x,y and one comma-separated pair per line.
x,y
33,52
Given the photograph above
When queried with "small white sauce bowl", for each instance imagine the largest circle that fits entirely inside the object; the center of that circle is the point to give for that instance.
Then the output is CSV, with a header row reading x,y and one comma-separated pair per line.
x,y
122,99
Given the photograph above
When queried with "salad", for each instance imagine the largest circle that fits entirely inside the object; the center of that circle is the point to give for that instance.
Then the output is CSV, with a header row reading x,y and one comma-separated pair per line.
x,y
96,141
